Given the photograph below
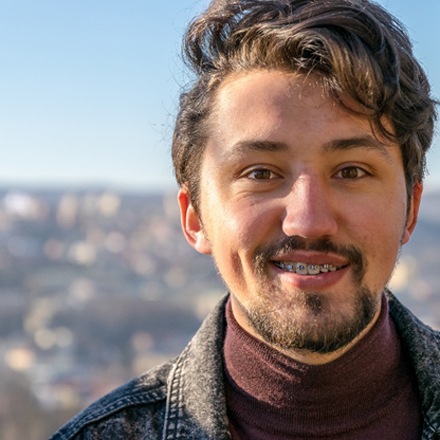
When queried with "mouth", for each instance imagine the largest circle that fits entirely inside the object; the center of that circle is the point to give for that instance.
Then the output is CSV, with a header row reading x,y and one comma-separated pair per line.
x,y
306,269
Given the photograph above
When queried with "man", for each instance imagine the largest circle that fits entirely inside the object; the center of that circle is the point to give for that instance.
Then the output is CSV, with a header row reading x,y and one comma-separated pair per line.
x,y
300,154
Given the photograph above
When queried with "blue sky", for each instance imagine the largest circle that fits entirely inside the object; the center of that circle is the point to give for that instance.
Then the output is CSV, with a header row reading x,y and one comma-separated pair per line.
x,y
88,88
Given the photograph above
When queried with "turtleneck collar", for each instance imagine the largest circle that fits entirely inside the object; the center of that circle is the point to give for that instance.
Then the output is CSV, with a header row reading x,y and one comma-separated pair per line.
x,y
354,389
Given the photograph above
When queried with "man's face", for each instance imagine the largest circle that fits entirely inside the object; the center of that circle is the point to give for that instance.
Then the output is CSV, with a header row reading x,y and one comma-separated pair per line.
x,y
303,209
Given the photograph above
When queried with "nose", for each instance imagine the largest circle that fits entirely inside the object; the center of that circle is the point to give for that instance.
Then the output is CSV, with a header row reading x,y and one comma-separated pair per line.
x,y
309,210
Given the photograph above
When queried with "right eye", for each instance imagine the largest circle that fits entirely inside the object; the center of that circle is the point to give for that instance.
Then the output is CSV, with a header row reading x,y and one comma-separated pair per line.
x,y
261,174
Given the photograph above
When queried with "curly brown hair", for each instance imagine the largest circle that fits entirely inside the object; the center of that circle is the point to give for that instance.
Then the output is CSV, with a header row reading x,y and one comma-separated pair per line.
x,y
355,47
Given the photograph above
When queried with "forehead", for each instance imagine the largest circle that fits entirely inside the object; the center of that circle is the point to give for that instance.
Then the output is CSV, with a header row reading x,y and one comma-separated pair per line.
x,y
262,90
282,107
282,84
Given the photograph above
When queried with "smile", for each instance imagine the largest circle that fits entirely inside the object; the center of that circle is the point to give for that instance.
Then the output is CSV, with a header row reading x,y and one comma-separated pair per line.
x,y
306,269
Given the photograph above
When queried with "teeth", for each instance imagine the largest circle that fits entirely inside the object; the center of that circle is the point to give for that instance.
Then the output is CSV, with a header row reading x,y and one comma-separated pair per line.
x,y
307,269
313,269
301,269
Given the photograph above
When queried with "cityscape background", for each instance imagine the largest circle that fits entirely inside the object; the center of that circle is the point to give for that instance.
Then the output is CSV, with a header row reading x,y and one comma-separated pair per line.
x,y
98,286
96,281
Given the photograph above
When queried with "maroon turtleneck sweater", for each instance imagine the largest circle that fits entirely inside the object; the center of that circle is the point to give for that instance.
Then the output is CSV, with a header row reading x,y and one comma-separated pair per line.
x,y
368,393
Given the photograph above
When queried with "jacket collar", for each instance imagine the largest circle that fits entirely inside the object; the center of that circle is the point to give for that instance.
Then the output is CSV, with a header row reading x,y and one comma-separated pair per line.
x,y
422,345
196,406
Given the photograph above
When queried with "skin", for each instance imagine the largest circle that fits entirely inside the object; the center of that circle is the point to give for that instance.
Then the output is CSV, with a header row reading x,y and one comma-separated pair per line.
x,y
284,160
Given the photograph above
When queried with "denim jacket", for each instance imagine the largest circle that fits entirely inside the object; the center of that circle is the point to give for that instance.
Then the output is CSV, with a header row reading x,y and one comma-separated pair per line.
x,y
184,398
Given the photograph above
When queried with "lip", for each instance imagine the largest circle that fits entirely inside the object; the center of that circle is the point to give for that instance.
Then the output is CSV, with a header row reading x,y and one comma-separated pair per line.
x,y
312,258
321,281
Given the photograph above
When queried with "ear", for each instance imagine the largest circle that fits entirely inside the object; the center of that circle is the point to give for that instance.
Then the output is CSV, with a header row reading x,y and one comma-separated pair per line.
x,y
413,211
191,224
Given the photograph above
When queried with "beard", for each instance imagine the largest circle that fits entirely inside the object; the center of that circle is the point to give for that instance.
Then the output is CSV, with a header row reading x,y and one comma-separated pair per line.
x,y
298,320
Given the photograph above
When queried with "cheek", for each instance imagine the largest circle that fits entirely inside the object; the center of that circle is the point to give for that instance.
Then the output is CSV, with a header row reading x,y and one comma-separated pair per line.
x,y
235,233
379,232
240,225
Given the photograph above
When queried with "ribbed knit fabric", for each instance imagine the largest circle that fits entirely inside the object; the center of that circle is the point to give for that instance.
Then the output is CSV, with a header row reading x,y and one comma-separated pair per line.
x,y
368,393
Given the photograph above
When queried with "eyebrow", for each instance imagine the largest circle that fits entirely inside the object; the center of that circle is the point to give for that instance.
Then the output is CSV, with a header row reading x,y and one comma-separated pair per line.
x,y
367,142
257,145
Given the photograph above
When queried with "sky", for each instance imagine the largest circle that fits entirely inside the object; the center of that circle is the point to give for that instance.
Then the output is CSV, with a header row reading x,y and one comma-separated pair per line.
x,y
89,88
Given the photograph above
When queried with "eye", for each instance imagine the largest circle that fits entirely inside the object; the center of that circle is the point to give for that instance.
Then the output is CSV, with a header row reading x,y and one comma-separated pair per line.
x,y
261,174
351,172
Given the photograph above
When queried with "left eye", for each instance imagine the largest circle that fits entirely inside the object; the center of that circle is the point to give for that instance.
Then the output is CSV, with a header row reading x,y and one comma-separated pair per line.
x,y
262,174
351,173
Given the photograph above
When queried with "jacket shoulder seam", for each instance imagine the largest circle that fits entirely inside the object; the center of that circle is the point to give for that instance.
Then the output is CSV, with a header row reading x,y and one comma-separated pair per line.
x,y
126,401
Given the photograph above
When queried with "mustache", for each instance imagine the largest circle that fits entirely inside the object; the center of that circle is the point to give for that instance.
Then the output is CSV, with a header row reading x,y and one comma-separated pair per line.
x,y
269,251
